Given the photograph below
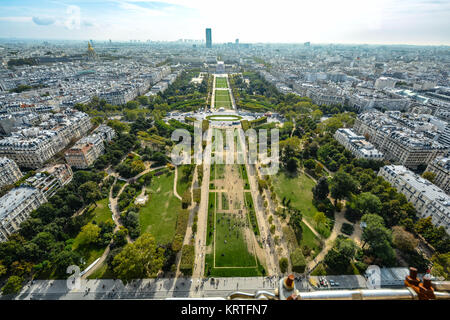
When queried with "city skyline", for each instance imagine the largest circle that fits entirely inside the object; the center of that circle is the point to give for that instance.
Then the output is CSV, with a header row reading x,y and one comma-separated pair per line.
x,y
415,22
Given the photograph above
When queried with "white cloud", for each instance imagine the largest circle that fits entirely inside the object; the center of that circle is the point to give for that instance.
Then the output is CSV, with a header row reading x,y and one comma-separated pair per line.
x,y
43,21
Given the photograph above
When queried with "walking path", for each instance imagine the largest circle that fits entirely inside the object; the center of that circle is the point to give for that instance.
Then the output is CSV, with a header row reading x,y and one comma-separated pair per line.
x,y
271,258
175,192
200,241
159,288
113,205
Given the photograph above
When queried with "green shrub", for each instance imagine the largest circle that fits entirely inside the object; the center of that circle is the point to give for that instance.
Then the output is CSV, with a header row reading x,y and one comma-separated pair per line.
x,y
284,263
298,261
187,259
347,229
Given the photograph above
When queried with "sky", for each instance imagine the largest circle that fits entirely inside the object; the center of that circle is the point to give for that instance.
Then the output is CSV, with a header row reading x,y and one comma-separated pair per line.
x,y
420,22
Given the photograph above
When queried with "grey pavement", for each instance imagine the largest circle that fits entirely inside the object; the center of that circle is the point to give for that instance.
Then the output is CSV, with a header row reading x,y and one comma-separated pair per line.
x,y
161,288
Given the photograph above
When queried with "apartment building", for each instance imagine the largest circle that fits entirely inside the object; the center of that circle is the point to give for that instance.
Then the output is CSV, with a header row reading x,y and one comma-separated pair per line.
x,y
441,168
398,142
49,180
16,206
357,145
427,198
83,154
9,172
34,146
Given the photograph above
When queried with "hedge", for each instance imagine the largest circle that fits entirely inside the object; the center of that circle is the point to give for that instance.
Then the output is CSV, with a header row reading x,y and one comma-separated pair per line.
x,y
298,261
187,259
180,231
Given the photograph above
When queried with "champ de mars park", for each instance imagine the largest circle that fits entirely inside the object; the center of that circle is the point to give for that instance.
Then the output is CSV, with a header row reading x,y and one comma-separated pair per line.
x,y
234,208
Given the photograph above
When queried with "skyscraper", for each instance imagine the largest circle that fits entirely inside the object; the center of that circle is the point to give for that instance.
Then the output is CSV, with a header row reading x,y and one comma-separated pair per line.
x,y
208,38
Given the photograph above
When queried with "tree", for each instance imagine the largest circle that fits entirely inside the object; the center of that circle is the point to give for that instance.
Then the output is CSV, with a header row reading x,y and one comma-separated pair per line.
x,y
132,104
89,234
310,164
338,258
321,190
441,265
430,176
64,259
141,259
342,185
364,203
295,221
378,237
143,100
403,239
320,218
117,125
3,270
284,264
292,165
13,285
89,191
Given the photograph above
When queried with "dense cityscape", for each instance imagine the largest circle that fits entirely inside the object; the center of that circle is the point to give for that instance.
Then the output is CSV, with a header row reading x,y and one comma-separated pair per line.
x,y
91,193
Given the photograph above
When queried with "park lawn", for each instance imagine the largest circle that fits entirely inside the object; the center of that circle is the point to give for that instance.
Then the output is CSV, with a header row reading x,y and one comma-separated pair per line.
x,y
210,271
222,95
159,215
221,82
235,252
222,99
309,239
243,172
220,171
298,189
103,272
211,209
101,213
251,212
90,253
181,185
225,201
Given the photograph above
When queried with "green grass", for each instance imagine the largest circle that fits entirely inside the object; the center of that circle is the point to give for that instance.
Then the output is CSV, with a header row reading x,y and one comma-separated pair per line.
x,y
182,185
233,253
221,82
102,213
159,215
224,117
309,239
220,171
231,272
225,202
251,212
99,214
222,99
243,172
298,189
103,272
211,209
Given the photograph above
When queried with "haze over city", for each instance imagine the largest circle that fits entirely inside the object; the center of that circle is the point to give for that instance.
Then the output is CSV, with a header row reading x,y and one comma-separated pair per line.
x,y
418,22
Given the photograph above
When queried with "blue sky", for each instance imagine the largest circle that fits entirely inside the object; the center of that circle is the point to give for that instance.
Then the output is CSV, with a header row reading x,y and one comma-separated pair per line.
x,y
318,21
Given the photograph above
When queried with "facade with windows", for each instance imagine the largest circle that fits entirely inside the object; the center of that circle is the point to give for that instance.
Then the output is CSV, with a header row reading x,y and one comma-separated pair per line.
x,y
427,198
9,172
357,145
16,206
